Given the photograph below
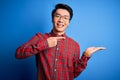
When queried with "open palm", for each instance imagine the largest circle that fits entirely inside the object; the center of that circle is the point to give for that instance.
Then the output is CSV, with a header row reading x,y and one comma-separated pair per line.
x,y
89,51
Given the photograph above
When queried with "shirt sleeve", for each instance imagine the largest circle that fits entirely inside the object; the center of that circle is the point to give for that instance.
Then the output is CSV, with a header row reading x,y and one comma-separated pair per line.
x,y
79,63
33,46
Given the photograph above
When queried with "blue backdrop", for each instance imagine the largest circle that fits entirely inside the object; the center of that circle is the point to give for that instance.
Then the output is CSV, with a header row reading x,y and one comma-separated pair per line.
x,y
95,23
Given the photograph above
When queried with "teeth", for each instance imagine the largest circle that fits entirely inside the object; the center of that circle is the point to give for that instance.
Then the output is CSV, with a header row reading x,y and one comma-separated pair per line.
x,y
60,25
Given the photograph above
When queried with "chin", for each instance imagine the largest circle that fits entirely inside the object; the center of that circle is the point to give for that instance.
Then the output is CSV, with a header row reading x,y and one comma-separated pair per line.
x,y
60,30
57,29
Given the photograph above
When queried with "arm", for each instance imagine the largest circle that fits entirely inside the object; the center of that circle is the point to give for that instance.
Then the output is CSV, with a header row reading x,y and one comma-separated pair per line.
x,y
80,64
32,47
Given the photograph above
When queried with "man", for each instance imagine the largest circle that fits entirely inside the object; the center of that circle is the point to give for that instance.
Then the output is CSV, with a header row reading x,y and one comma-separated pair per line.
x,y
57,55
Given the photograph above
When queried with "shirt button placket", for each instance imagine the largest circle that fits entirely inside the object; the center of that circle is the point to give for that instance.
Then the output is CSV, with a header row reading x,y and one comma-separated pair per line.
x,y
56,59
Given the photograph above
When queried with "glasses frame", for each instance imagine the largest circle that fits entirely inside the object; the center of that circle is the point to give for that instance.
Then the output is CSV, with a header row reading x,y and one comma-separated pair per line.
x,y
64,18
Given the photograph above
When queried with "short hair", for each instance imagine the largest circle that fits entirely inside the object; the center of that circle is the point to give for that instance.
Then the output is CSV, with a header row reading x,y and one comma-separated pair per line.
x,y
63,6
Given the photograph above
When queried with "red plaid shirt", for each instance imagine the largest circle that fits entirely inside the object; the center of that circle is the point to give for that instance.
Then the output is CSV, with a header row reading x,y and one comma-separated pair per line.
x,y
61,62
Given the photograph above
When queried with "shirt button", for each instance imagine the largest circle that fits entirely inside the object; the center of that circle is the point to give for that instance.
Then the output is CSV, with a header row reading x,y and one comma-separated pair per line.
x,y
56,59
57,48
54,69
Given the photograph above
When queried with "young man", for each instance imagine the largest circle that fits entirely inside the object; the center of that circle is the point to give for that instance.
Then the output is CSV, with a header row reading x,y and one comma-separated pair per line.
x,y
57,55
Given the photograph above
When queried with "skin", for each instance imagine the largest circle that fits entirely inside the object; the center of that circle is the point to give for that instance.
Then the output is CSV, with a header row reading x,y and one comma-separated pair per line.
x,y
60,24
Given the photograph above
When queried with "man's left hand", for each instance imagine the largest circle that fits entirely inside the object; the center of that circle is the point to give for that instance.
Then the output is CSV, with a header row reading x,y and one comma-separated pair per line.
x,y
89,51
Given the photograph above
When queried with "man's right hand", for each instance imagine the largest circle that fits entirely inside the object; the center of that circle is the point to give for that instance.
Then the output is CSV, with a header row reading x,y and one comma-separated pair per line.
x,y
52,41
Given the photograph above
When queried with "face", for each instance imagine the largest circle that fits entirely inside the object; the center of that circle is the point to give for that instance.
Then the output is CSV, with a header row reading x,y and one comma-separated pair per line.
x,y
60,20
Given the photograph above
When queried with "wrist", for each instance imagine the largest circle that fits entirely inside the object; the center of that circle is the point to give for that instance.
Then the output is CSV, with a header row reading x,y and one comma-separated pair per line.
x,y
86,54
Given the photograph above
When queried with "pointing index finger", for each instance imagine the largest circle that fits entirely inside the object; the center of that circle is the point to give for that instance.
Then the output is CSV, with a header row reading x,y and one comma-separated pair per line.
x,y
60,38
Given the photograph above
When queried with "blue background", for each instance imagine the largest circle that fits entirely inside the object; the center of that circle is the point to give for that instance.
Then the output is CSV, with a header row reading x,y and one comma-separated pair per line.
x,y
95,23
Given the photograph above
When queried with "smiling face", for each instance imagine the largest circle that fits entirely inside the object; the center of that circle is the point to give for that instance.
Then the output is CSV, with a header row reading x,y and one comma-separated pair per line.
x,y
60,21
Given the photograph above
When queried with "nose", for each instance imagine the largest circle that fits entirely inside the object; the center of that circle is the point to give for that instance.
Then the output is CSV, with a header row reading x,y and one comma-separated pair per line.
x,y
60,19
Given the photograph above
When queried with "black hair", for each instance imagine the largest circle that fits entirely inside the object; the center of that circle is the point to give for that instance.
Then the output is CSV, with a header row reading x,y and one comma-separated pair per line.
x,y
63,6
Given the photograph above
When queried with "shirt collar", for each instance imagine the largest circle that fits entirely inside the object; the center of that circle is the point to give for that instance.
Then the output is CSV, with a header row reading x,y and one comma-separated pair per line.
x,y
56,35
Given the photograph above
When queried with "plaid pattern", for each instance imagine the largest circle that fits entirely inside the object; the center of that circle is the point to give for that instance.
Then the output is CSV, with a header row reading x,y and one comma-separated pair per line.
x,y
61,62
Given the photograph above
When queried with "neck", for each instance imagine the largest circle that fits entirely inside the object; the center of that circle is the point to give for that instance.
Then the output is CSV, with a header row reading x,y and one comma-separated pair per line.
x,y
57,32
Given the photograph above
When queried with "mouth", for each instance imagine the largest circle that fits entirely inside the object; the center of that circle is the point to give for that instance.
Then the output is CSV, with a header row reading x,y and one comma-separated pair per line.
x,y
60,25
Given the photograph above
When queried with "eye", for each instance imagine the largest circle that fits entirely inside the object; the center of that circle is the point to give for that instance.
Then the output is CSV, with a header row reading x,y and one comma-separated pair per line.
x,y
66,18
57,16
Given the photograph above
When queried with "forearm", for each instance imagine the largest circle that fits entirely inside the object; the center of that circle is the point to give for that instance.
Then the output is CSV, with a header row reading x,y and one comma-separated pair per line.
x,y
80,65
27,51
32,47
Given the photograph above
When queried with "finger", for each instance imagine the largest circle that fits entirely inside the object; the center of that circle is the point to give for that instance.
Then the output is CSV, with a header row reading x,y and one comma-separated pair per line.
x,y
101,48
98,48
60,38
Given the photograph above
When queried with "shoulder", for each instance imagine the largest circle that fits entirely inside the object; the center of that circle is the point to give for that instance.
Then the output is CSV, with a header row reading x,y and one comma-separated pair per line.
x,y
73,42
40,35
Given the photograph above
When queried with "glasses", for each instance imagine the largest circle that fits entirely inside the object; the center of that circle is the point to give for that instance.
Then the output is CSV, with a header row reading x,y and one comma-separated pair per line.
x,y
64,18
